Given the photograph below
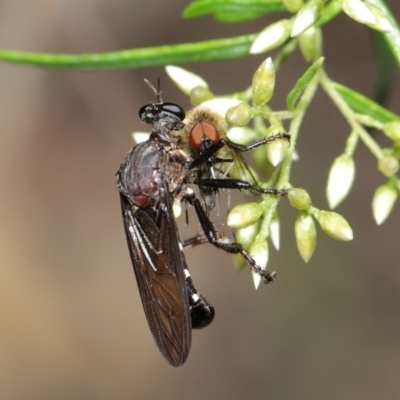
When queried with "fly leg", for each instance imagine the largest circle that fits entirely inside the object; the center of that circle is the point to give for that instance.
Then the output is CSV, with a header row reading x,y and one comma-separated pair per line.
x,y
222,243
213,148
229,183
194,241
242,148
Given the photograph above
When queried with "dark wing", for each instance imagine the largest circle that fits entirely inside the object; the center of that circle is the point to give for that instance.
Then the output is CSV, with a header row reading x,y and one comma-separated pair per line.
x,y
158,263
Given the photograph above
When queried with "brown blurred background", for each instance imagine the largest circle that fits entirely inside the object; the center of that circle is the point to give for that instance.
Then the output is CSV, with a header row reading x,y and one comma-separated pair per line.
x,y
72,325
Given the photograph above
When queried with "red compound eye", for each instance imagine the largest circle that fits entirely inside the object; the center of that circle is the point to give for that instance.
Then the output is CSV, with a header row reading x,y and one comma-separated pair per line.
x,y
200,131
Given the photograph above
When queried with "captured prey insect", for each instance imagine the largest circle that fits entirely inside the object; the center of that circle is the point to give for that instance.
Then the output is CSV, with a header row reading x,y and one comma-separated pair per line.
x,y
217,158
153,175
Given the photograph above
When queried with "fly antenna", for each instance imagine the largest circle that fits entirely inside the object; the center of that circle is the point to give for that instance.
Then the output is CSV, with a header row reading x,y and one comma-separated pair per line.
x,y
157,92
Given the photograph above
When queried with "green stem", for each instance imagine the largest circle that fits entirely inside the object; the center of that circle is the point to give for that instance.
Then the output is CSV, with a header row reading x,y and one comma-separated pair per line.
x,y
294,129
368,121
396,182
351,143
281,115
285,52
270,203
348,113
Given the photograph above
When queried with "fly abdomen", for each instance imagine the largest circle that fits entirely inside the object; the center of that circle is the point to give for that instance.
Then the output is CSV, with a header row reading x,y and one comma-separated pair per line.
x,y
140,174
201,312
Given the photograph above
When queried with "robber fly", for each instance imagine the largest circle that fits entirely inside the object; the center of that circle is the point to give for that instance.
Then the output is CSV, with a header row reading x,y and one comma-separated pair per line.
x,y
150,178
153,175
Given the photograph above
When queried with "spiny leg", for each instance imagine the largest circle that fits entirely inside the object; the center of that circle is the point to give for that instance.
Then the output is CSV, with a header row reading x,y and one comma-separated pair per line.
x,y
229,246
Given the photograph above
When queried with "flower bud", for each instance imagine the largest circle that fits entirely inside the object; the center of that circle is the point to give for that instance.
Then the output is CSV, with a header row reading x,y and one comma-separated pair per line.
x,y
274,231
246,236
242,134
263,82
220,105
243,215
306,235
238,262
275,128
306,17
177,209
262,162
200,94
139,137
395,149
293,5
271,37
334,225
358,10
299,198
382,22
340,180
276,151
239,115
392,130
184,79
260,252
383,201
388,165
310,43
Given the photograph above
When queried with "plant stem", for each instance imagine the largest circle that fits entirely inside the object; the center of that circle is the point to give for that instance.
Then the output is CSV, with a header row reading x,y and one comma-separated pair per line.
x,y
270,203
350,116
351,143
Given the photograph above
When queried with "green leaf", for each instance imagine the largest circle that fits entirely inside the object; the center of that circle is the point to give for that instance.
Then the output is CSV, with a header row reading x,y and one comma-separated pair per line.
x,y
210,50
386,67
233,17
229,11
217,49
302,83
363,105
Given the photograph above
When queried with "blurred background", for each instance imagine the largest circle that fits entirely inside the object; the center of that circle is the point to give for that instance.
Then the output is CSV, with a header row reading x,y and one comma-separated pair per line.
x,y
72,324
